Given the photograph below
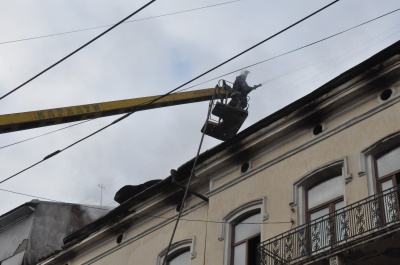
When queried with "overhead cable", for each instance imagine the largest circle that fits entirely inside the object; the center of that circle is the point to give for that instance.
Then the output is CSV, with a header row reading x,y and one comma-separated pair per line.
x,y
77,50
246,67
170,92
129,21
190,177
41,135
294,50
144,215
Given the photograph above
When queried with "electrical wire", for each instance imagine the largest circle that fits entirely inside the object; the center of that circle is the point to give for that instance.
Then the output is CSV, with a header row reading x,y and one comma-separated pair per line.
x,y
129,21
145,215
190,178
32,196
294,50
77,50
41,135
170,92
211,221
263,61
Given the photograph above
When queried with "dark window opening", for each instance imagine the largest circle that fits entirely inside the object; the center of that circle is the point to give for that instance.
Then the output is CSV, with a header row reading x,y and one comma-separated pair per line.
x,y
245,167
385,95
119,238
317,129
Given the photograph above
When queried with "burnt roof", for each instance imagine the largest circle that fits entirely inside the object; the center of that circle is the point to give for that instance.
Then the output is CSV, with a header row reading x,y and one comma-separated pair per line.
x,y
184,170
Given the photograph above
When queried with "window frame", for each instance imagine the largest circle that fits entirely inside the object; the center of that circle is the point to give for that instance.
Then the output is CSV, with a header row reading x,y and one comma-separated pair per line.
x,y
176,254
369,155
313,178
391,175
232,232
178,248
236,214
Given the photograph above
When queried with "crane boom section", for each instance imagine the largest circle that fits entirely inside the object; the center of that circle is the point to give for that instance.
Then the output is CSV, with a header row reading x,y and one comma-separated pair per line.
x,y
47,117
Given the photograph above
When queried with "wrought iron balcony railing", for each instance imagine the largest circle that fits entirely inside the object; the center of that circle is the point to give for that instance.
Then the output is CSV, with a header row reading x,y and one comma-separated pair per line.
x,y
331,231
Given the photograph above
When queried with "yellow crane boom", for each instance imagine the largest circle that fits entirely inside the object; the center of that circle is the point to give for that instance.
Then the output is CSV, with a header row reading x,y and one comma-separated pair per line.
x,y
47,117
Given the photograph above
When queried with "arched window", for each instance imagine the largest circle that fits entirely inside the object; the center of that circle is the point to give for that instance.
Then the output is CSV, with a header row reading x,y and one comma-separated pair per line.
x,y
388,169
182,258
321,191
380,162
180,253
241,232
245,238
325,197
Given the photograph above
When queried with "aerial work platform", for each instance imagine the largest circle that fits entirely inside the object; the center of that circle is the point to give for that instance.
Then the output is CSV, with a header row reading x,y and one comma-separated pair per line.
x,y
229,123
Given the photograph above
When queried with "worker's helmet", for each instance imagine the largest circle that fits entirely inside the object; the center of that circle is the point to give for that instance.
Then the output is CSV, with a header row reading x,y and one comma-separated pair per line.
x,y
244,72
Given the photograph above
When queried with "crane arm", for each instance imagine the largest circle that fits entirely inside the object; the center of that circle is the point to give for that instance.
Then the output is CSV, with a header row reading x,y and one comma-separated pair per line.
x,y
47,117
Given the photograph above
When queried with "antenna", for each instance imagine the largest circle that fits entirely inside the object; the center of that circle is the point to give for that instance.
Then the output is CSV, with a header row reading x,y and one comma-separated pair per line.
x,y
101,186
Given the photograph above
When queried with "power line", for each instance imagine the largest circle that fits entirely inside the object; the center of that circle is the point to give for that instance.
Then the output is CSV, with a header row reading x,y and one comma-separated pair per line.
x,y
32,196
294,50
170,92
143,215
190,178
245,67
41,135
129,21
80,48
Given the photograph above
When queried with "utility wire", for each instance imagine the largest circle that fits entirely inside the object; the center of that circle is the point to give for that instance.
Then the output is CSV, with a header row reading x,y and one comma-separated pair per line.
x,y
190,178
294,50
145,215
41,135
249,66
129,21
246,67
32,196
80,48
170,92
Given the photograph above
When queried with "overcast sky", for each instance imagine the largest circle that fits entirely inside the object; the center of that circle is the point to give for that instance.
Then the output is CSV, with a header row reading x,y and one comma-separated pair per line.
x,y
151,57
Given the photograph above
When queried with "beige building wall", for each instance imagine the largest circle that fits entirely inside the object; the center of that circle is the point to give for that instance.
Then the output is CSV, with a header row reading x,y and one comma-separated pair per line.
x,y
351,123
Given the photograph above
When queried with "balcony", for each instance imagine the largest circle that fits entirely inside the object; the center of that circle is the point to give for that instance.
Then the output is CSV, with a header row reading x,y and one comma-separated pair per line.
x,y
347,229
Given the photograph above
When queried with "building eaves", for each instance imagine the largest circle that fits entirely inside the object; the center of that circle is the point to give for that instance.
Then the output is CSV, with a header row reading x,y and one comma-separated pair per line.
x,y
119,212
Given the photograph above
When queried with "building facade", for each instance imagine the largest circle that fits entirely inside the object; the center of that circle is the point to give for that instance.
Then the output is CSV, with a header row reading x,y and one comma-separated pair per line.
x,y
313,183
36,229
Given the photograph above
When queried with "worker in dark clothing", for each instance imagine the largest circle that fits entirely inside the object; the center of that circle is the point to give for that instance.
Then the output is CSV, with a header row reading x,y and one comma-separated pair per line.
x,y
240,90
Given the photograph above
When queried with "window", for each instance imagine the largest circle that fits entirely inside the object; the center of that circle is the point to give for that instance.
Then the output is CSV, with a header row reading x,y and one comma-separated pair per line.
x,y
388,170
379,161
180,253
241,232
388,177
182,258
321,191
245,238
324,199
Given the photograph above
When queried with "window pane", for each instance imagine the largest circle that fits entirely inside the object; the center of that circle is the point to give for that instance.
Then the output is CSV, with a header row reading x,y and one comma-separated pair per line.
x,y
386,184
318,231
239,254
389,162
339,205
244,230
319,213
181,259
325,191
